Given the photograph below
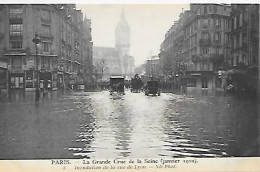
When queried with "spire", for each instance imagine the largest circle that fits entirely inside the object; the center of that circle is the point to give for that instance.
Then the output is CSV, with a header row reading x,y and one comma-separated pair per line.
x,y
122,14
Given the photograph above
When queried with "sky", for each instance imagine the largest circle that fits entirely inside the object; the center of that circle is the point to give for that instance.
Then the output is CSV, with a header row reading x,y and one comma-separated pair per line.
x,y
148,24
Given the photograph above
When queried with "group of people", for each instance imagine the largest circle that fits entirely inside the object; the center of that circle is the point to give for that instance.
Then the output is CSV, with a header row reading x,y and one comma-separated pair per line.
x,y
136,83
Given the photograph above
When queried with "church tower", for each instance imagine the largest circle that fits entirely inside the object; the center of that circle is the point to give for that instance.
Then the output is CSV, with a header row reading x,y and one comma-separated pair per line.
x,y
123,41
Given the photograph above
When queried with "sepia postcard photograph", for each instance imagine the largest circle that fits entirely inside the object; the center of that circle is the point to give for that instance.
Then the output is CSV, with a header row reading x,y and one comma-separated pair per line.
x,y
91,86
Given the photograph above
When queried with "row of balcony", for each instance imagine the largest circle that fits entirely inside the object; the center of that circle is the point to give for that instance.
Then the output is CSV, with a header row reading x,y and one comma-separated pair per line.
x,y
21,68
209,57
27,67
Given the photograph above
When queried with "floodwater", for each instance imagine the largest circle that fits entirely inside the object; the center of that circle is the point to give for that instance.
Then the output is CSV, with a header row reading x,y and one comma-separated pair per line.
x,y
99,125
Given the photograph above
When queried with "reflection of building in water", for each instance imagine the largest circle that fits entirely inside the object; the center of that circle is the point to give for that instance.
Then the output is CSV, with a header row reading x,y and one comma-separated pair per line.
x,y
81,145
115,61
123,131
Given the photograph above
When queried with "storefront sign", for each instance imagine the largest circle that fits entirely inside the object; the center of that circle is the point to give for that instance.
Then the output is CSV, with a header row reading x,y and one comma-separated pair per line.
x,y
195,74
29,79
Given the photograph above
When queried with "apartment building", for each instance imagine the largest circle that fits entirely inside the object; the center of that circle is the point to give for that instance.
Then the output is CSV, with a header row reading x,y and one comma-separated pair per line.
x,y
64,53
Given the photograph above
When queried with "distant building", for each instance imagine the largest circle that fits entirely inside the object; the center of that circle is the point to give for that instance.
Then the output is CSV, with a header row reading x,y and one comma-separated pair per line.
x,y
208,45
64,52
196,47
116,61
152,67
106,62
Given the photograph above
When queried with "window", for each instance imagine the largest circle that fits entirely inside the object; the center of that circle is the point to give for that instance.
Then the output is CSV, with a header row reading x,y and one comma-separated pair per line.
x,y
16,13
16,63
69,37
240,20
226,23
69,53
217,23
204,83
46,30
204,50
16,29
217,50
235,43
235,23
62,24
45,15
244,39
16,44
244,59
46,46
237,59
205,37
195,24
46,62
62,35
226,39
210,8
237,39
205,9
191,82
217,37
204,23
240,40
245,17
204,66
215,8
17,82
62,51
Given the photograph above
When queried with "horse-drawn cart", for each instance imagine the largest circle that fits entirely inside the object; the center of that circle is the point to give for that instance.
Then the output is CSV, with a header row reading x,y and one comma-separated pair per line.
x,y
117,85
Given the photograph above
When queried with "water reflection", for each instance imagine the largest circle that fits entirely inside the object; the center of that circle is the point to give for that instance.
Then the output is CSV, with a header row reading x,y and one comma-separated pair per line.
x,y
221,126
121,120
85,133
97,125
39,130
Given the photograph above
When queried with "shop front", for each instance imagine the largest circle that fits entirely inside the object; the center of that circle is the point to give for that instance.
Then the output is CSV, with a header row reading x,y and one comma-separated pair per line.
x,y
16,80
3,76
200,81
30,80
60,80
45,80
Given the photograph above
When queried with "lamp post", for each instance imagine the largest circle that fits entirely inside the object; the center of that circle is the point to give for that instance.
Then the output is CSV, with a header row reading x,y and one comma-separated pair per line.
x,y
36,41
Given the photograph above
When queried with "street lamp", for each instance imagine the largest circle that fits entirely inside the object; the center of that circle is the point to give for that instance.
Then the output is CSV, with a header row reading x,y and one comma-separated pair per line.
x,y
36,40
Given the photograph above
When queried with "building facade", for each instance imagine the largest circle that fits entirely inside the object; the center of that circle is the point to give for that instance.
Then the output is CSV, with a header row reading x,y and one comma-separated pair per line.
x,y
115,61
64,53
200,41
106,63
206,36
152,67
244,37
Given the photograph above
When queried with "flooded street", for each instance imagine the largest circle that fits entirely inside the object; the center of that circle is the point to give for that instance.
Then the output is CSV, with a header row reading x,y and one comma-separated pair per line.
x,y
99,125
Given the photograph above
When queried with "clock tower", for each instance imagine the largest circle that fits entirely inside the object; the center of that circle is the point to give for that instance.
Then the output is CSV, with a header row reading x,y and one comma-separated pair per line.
x,y
123,41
